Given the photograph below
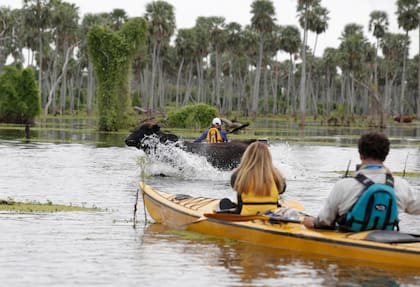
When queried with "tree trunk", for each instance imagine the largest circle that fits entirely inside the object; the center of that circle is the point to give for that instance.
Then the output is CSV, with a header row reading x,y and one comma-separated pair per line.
x,y
403,79
302,89
217,80
54,84
418,80
256,88
90,89
178,79
155,53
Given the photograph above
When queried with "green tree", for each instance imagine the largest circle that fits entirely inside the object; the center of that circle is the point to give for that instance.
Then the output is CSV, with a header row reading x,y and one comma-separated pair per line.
x,y
112,54
19,96
89,21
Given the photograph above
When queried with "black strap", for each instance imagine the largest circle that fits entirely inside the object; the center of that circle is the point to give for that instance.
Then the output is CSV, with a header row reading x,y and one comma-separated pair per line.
x,y
363,179
260,203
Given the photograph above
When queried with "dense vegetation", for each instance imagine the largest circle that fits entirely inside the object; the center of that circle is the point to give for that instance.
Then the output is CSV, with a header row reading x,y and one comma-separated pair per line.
x,y
225,65
19,96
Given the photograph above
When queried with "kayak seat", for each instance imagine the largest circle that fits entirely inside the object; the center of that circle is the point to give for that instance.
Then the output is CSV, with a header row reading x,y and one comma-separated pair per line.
x,y
390,236
226,206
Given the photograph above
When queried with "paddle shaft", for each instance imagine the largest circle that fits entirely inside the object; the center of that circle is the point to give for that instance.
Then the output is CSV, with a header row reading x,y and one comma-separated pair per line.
x,y
238,217
238,128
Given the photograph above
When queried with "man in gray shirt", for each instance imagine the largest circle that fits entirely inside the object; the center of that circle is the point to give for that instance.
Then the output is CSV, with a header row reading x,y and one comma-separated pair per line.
x,y
373,149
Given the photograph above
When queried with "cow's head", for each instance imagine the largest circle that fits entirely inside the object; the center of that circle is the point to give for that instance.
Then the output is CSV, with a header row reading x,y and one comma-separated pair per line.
x,y
145,131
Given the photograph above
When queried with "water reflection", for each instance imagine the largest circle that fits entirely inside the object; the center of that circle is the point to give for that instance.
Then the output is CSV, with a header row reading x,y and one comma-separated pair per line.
x,y
252,265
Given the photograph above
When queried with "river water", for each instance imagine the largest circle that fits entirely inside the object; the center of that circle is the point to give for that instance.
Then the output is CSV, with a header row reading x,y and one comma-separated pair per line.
x,y
101,248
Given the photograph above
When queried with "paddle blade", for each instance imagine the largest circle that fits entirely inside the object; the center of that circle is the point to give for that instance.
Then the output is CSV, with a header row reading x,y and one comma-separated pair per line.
x,y
239,128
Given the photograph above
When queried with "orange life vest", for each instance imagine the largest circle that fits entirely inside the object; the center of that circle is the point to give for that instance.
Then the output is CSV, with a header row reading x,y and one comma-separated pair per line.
x,y
214,136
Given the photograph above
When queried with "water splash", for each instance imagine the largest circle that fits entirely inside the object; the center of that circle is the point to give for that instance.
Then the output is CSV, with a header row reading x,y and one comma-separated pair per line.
x,y
170,160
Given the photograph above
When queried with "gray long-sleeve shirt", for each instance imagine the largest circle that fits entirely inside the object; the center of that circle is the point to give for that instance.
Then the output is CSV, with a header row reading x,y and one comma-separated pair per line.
x,y
346,191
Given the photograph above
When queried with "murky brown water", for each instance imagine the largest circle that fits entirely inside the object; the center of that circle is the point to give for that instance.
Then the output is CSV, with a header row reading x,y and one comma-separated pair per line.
x,y
103,249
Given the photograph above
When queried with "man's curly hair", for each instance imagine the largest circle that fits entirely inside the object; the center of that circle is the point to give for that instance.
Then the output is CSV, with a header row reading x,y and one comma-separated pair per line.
x,y
374,145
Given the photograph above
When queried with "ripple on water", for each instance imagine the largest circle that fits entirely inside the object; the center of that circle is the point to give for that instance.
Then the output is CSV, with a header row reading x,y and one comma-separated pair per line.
x,y
102,248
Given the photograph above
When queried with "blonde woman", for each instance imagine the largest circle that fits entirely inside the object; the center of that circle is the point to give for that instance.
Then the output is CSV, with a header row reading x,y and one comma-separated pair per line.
x,y
257,182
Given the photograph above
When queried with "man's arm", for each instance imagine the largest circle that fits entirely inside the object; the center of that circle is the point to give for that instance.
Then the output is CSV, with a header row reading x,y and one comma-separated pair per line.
x,y
224,135
201,137
328,213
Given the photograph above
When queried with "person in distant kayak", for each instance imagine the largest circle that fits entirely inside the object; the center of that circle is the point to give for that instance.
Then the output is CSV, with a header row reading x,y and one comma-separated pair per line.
x,y
257,182
215,134
373,149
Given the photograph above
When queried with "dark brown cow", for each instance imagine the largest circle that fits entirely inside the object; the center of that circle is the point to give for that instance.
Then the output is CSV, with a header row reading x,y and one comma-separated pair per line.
x,y
221,155
405,119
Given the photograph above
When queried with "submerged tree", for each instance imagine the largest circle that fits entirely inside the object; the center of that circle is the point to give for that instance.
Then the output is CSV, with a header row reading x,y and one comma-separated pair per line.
x,y
112,54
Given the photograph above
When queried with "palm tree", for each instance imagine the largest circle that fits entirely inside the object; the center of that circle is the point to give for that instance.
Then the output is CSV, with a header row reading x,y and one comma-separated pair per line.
x,y
393,50
118,18
263,21
161,22
408,19
202,39
290,42
378,25
235,56
303,7
330,60
250,46
352,60
218,38
37,17
185,47
317,20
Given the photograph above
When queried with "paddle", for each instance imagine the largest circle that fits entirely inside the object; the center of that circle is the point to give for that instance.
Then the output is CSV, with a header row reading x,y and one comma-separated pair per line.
x,y
238,128
238,217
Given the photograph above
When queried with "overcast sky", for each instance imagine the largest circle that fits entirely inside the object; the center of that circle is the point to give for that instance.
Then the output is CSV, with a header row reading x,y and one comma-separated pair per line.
x,y
342,12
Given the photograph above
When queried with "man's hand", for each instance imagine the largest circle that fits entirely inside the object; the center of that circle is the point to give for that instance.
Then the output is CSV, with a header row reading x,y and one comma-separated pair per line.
x,y
308,221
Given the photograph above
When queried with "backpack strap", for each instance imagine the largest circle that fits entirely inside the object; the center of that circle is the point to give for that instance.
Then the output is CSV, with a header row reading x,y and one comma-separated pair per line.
x,y
363,179
389,180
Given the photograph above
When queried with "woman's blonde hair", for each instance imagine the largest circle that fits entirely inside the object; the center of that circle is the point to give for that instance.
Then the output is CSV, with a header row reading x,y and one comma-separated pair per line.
x,y
256,171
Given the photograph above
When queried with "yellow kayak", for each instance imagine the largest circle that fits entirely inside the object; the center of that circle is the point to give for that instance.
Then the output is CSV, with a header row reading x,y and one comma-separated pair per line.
x,y
197,214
